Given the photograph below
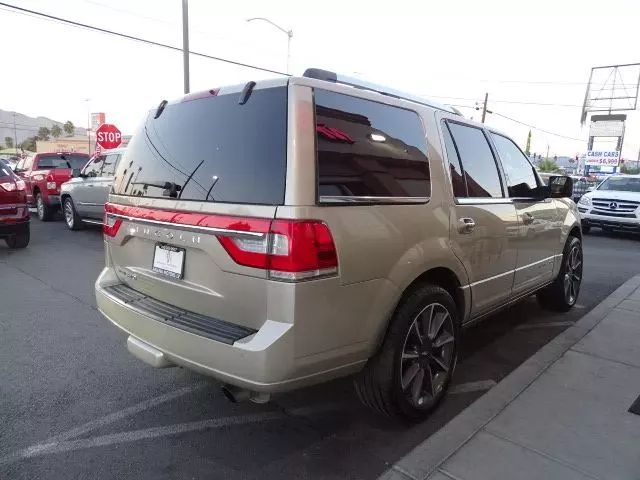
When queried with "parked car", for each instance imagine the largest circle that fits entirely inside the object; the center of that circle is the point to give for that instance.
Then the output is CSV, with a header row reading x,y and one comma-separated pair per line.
x,y
83,197
14,213
282,233
43,175
612,205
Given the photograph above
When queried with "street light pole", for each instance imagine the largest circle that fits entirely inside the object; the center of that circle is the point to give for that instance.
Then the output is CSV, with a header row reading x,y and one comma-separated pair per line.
x,y
88,126
185,43
289,34
15,135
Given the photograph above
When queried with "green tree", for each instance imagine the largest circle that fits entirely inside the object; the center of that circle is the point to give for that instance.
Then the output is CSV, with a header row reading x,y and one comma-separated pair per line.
x,y
548,165
8,141
69,128
56,131
29,144
43,133
527,149
629,170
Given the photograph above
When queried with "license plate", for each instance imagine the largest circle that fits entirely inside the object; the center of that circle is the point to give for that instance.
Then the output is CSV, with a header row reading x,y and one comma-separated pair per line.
x,y
169,260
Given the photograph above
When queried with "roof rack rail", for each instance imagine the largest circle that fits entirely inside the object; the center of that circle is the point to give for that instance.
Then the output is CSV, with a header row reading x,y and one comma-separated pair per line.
x,y
329,76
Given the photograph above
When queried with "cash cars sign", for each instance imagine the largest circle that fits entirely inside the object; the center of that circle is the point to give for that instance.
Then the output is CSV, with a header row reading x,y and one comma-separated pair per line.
x,y
602,158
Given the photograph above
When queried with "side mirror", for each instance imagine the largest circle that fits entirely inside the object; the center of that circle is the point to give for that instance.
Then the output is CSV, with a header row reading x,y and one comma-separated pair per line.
x,y
75,173
561,187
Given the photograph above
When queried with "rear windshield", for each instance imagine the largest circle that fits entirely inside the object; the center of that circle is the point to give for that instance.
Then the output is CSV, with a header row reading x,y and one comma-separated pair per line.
x,y
62,161
211,149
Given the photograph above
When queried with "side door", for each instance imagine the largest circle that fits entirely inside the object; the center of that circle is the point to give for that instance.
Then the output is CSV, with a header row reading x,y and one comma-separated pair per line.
x,y
539,233
25,174
104,182
484,224
84,192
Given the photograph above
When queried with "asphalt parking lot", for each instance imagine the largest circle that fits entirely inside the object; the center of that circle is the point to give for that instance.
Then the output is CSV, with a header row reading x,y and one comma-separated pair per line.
x,y
75,404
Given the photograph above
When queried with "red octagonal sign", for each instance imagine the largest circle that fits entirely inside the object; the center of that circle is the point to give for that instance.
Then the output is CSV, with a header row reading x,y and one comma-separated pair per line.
x,y
108,136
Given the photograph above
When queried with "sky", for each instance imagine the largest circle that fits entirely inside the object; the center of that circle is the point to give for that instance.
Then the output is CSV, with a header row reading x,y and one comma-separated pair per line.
x,y
522,54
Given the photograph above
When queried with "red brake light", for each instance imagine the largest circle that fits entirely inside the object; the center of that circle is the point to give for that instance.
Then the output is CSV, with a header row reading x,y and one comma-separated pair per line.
x,y
110,224
291,250
9,186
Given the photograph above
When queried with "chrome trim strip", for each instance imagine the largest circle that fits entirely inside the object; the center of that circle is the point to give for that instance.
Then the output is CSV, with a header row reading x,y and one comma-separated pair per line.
x,y
367,199
495,277
180,226
483,201
552,257
93,222
89,204
498,200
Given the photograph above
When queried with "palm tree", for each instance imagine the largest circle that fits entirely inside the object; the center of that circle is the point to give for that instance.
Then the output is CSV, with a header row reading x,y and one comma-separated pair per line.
x,y
548,165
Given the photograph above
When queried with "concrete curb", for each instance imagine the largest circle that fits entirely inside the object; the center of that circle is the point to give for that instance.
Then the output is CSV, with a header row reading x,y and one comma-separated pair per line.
x,y
425,459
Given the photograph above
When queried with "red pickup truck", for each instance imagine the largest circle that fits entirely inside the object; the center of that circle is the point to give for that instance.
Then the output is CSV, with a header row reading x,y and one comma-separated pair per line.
x,y
43,174
14,214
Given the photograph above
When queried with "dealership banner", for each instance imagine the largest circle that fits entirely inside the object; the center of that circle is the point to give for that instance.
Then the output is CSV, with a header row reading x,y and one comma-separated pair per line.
x,y
602,158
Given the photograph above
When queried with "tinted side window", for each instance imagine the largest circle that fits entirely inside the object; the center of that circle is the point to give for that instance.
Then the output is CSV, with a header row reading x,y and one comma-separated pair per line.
x,y
110,164
480,169
520,176
92,169
368,149
457,176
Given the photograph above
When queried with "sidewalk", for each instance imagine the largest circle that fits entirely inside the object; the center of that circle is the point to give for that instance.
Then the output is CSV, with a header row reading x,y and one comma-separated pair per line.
x,y
563,414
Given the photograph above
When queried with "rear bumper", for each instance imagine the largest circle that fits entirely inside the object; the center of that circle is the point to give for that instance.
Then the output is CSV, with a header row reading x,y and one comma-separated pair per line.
x,y
264,361
11,229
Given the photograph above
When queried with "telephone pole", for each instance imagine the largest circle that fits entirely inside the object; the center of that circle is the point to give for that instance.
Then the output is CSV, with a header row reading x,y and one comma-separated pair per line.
x,y
484,106
15,135
185,43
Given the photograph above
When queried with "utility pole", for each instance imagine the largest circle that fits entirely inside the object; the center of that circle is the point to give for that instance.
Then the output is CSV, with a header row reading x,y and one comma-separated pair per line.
x,y
185,43
547,157
15,136
484,107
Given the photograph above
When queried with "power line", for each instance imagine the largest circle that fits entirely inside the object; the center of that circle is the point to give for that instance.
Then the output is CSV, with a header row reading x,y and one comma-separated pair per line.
x,y
519,102
538,128
25,11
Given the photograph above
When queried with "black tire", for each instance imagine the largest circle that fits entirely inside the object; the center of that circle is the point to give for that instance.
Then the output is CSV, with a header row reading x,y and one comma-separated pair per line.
x,y
556,296
607,229
586,229
20,240
380,385
45,212
71,217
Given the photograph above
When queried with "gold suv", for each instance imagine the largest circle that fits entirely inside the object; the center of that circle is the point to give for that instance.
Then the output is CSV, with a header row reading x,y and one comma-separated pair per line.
x,y
282,233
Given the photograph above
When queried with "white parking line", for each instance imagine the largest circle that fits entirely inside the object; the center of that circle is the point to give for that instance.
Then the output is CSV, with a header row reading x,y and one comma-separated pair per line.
x,y
530,326
53,446
119,415
471,386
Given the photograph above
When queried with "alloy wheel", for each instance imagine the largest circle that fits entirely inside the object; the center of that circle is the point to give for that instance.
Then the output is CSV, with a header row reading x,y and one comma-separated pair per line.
x,y
68,213
40,207
573,275
427,355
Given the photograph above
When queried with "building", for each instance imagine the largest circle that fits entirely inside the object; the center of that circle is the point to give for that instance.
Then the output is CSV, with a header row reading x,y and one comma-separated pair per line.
x,y
73,144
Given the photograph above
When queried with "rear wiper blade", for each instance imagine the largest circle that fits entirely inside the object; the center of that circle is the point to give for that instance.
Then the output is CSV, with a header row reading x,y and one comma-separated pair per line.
x,y
189,178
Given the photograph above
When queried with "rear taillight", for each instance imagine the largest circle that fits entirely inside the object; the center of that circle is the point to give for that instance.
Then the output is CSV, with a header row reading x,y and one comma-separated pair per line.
x,y
110,224
20,185
291,250
9,186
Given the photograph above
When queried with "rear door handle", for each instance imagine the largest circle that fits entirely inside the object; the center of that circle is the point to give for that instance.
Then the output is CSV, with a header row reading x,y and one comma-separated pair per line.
x,y
466,225
527,218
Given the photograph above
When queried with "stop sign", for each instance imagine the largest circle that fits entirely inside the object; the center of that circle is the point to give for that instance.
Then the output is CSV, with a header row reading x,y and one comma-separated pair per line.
x,y
108,136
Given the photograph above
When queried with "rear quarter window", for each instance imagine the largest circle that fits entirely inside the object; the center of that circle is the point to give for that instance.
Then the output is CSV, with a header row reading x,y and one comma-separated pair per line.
x,y
367,150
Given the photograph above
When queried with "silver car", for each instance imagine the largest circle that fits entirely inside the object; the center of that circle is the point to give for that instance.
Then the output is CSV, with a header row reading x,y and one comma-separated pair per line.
x,y
83,197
